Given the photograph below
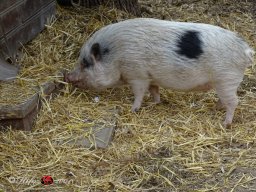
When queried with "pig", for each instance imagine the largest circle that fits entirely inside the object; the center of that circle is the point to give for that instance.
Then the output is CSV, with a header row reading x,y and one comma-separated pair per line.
x,y
148,53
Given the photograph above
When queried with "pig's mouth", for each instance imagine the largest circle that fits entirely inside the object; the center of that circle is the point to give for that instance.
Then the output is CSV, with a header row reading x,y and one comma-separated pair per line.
x,y
78,84
71,80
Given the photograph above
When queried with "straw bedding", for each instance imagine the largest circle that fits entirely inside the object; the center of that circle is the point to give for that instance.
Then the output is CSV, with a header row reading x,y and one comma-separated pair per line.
x,y
178,145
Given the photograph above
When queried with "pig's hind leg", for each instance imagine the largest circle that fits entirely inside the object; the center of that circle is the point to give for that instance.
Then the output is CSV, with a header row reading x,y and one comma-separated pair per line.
x,y
154,91
227,94
139,87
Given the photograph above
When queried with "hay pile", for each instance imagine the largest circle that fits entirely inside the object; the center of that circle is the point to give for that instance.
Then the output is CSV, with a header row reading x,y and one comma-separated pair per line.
x,y
178,145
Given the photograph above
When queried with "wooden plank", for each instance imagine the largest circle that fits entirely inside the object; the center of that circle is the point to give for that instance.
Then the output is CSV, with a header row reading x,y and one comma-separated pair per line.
x,y
24,124
21,22
23,116
32,7
1,31
4,51
10,18
7,4
36,23
19,111
28,30
7,72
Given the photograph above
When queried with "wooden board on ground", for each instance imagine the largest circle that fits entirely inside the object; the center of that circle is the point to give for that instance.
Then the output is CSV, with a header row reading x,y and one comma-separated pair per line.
x,y
22,116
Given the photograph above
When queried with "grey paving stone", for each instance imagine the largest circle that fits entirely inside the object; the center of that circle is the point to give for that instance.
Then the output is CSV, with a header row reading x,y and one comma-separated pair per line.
x,y
7,71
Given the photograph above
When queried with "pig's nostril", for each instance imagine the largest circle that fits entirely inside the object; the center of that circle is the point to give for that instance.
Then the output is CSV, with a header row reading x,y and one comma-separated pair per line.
x,y
74,82
72,78
66,79
69,78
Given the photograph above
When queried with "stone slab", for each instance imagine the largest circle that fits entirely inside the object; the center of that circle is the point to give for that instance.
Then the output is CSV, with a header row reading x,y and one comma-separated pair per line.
x,y
7,72
99,135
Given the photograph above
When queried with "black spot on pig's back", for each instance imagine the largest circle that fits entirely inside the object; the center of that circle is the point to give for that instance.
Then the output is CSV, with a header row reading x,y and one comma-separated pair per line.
x,y
190,44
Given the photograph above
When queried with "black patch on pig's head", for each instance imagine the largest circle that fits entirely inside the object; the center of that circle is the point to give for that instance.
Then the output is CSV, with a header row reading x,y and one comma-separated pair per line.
x,y
95,51
190,44
85,63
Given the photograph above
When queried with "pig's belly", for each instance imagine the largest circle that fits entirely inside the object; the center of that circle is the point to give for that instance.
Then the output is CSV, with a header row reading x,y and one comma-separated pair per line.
x,y
198,84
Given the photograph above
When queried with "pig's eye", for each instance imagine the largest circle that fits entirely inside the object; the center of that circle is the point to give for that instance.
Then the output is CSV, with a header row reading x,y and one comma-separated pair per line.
x,y
85,64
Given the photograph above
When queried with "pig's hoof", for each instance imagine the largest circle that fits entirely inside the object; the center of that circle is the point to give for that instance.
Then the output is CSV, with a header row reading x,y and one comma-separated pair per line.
x,y
65,76
227,124
135,109
219,106
157,100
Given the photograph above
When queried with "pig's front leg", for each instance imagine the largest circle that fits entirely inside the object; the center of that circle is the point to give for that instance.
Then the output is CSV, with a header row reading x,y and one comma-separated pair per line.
x,y
154,91
219,105
139,87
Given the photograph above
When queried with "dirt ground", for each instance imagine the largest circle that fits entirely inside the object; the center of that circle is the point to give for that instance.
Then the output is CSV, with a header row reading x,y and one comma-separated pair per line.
x,y
178,145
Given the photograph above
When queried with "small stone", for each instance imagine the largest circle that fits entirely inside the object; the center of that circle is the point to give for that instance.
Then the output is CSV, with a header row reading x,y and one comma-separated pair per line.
x,y
96,99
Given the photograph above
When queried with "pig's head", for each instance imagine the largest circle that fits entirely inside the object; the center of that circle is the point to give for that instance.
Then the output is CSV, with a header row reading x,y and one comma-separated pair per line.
x,y
94,68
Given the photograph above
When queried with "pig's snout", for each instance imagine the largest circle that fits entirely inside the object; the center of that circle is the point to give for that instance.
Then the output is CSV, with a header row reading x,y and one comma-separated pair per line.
x,y
76,79
71,78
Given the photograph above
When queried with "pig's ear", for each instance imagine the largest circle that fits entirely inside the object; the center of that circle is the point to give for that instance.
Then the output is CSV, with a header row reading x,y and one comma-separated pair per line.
x,y
95,52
